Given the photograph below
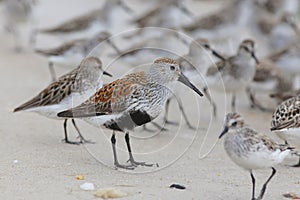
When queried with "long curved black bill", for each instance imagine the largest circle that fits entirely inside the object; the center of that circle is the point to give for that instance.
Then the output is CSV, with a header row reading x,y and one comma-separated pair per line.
x,y
183,79
225,130
255,58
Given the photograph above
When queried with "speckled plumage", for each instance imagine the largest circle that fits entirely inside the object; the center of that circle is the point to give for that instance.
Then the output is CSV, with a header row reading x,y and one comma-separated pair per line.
x,y
68,91
131,101
250,149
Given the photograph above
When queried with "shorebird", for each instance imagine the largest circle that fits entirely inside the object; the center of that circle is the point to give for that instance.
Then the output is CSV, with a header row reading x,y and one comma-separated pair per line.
x,y
131,101
16,13
234,73
68,91
251,150
285,122
72,52
90,23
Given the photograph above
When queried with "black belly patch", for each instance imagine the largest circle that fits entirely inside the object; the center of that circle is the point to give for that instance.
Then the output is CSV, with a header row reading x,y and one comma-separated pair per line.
x,y
129,121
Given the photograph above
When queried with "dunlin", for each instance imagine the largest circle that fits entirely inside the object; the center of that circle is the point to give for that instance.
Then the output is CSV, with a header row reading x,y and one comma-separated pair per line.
x,y
68,91
251,150
132,101
72,52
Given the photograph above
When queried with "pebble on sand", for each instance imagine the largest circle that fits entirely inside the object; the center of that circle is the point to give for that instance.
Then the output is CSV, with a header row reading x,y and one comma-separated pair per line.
x,y
87,186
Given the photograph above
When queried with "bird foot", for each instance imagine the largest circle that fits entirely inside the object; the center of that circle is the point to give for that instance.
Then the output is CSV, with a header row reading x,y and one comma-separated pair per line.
x,y
129,167
135,163
71,142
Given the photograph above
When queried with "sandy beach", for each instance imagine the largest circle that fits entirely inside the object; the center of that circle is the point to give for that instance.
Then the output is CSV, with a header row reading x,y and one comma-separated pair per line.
x,y
35,164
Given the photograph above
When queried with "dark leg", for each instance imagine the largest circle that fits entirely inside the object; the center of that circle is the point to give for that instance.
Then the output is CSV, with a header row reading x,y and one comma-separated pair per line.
x,y
254,103
116,162
233,102
184,114
52,71
66,140
82,139
262,192
131,160
167,112
253,185
211,101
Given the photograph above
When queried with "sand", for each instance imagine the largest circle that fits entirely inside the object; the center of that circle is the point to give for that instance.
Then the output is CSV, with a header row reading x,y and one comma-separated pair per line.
x,y
35,164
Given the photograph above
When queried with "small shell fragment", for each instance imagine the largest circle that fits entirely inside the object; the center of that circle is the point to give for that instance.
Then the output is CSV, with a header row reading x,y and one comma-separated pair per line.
x,y
80,177
87,186
110,193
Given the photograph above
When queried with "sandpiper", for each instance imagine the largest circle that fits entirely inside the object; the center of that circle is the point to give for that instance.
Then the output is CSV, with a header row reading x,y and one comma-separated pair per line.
x,y
131,101
234,73
285,122
72,52
251,150
68,91
89,24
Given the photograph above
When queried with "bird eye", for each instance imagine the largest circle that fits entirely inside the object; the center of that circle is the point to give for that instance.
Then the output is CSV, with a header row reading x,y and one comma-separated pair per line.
x,y
172,67
234,124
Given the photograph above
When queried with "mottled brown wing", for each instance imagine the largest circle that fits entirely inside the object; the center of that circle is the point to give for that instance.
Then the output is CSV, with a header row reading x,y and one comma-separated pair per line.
x,y
287,115
53,94
254,137
112,98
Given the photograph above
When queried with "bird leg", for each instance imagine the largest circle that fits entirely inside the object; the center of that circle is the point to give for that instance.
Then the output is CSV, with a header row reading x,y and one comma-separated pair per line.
x,y
167,112
253,185
262,192
80,136
184,114
66,140
131,159
233,99
254,103
213,104
52,71
116,162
